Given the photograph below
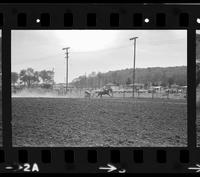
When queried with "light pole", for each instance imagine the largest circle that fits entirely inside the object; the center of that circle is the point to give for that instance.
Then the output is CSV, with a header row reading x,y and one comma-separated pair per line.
x,y
134,38
67,56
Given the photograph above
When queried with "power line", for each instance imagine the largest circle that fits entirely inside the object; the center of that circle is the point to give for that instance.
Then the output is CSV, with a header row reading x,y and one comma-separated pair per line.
x,y
102,50
76,52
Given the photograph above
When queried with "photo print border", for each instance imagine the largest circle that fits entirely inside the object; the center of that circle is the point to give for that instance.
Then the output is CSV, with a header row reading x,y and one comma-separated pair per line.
x,y
98,159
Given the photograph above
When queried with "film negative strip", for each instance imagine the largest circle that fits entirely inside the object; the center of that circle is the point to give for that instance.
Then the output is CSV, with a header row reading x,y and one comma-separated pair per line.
x,y
99,88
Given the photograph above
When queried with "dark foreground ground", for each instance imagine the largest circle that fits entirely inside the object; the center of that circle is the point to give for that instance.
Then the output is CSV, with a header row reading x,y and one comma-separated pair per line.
x,y
99,122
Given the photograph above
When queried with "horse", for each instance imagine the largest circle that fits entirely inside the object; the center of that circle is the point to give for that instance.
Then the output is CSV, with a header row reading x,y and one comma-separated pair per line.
x,y
107,91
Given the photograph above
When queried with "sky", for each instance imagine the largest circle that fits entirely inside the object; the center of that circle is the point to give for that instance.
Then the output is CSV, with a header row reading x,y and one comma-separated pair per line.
x,y
96,50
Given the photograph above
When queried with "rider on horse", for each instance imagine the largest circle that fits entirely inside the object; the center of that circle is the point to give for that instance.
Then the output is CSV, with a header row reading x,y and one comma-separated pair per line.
x,y
105,91
104,88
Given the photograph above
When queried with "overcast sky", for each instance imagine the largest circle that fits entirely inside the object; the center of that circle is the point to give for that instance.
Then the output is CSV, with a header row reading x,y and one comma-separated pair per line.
x,y
96,50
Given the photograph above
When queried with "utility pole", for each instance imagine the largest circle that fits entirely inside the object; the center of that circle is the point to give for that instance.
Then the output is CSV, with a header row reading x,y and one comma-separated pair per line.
x,y
134,38
67,56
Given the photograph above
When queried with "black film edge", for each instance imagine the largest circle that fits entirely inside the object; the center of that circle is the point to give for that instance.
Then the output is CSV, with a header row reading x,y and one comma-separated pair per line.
x,y
80,95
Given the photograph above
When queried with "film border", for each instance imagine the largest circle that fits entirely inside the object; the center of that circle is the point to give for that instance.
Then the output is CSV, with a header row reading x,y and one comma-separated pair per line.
x,y
155,159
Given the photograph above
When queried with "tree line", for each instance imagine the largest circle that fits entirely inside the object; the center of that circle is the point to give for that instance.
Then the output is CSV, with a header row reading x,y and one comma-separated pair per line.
x,y
152,76
29,78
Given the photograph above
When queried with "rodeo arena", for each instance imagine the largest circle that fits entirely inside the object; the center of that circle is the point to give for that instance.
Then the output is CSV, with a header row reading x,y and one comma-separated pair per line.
x,y
111,115
101,112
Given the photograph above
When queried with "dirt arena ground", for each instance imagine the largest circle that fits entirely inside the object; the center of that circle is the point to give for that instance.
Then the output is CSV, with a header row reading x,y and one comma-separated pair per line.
x,y
62,122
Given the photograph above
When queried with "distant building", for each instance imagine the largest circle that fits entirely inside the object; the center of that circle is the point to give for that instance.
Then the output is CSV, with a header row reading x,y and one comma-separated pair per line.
x,y
59,86
175,86
112,86
137,86
184,88
179,88
62,87
157,88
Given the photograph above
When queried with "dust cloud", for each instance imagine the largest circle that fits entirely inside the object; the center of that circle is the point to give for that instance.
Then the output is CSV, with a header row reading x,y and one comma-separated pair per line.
x,y
42,93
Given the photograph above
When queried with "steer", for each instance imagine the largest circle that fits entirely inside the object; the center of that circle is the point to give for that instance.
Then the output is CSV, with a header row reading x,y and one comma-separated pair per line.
x,y
87,94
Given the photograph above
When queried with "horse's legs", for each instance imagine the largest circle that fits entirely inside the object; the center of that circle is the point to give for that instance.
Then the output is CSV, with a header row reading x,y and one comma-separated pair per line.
x,y
109,94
